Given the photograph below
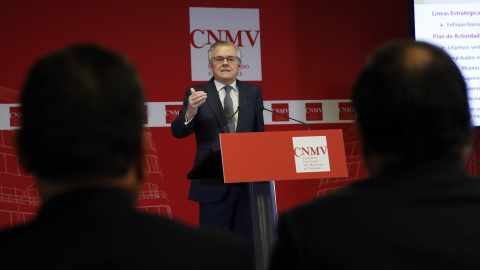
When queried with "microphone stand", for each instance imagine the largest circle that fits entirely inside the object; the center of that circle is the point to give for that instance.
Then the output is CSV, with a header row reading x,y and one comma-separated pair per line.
x,y
263,108
229,119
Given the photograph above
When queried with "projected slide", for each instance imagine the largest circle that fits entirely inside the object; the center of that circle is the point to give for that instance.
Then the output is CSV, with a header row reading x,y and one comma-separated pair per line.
x,y
454,25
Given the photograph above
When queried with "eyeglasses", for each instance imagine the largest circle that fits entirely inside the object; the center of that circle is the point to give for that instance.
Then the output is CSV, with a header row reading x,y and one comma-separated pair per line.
x,y
221,59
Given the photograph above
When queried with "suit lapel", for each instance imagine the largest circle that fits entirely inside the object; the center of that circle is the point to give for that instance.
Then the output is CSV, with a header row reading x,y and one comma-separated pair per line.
x,y
243,101
213,101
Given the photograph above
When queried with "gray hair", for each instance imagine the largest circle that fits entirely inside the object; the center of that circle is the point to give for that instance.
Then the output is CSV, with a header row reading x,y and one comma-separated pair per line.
x,y
223,43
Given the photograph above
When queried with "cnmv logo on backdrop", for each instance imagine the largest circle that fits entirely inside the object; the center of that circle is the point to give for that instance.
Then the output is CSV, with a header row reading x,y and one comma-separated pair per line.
x,y
346,111
199,38
314,111
15,117
281,108
238,25
171,112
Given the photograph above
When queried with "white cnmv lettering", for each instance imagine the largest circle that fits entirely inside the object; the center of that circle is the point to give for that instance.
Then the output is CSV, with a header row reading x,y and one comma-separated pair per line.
x,y
347,109
314,110
171,112
284,111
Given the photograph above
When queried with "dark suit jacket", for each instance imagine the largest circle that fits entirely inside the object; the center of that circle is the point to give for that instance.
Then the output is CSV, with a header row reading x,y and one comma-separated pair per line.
x,y
101,229
425,217
209,122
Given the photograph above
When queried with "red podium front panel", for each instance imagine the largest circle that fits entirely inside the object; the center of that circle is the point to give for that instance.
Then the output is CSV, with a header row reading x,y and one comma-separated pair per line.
x,y
284,155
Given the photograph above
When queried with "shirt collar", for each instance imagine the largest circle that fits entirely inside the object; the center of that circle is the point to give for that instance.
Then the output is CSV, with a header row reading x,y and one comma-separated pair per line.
x,y
220,85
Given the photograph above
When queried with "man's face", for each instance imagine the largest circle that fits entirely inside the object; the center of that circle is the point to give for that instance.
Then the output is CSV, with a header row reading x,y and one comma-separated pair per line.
x,y
225,71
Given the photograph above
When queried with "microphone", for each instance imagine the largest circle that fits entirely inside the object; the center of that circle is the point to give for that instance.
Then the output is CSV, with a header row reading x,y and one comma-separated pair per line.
x,y
263,108
229,119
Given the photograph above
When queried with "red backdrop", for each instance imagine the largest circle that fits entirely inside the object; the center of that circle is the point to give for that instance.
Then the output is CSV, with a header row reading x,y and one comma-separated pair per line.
x,y
311,50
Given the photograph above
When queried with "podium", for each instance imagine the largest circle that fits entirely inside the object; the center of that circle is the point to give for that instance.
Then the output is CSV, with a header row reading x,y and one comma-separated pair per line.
x,y
260,157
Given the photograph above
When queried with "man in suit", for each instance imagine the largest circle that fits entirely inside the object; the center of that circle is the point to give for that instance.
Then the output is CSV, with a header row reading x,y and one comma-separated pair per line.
x,y
82,139
419,209
224,206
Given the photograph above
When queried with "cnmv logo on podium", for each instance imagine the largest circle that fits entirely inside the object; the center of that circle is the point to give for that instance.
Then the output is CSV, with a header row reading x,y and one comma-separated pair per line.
x,y
311,154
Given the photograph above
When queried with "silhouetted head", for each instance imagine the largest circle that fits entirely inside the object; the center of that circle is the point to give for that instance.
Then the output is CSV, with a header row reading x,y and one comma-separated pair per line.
x,y
82,115
411,104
